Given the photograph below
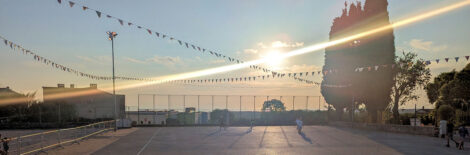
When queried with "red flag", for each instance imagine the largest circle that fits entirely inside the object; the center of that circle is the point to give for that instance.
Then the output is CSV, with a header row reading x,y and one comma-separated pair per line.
x,y
84,8
150,32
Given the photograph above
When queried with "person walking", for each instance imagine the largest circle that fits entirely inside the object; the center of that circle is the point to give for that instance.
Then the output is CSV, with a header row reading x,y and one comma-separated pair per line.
x,y
450,133
463,132
299,123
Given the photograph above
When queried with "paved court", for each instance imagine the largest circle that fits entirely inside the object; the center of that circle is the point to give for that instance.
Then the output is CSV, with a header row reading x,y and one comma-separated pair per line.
x,y
273,140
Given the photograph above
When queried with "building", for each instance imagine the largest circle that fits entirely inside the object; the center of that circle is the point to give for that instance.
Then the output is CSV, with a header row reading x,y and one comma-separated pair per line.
x,y
148,117
8,96
89,102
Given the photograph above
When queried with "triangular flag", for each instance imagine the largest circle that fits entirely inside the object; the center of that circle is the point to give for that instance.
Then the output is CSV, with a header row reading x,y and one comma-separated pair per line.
x,y
59,1
71,3
139,27
447,59
109,16
466,57
121,22
6,42
313,73
148,30
179,41
457,59
157,33
428,62
84,8
187,46
98,14
129,23
437,60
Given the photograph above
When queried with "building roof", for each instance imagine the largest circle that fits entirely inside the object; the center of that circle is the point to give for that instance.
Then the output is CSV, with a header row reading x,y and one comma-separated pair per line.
x,y
12,96
62,91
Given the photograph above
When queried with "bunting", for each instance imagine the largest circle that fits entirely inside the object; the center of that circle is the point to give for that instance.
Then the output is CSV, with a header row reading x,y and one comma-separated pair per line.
x,y
165,36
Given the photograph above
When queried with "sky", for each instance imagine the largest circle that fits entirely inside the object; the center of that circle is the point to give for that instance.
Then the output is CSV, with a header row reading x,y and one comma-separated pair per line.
x,y
244,29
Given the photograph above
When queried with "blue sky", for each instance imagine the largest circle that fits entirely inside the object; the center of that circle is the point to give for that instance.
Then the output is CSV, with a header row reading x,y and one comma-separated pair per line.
x,y
242,29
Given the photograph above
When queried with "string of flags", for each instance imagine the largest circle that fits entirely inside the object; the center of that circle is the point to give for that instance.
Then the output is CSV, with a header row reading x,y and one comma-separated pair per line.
x,y
64,68
392,66
182,43
61,67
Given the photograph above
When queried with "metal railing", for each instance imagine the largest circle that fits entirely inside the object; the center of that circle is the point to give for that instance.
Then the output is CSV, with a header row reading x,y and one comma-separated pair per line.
x,y
42,141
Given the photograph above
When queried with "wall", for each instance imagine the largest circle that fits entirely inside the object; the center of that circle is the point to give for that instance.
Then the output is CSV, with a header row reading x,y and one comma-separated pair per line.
x,y
418,130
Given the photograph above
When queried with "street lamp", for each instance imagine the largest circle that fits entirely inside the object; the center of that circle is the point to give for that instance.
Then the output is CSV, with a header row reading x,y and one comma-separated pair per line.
x,y
111,36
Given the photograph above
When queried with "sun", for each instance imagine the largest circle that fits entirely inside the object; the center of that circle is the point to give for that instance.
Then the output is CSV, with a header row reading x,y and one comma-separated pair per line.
x,y
275,59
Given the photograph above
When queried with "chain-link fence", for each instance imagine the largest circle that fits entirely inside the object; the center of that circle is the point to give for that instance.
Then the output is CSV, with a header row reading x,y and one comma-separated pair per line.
x,y
157,109
42,141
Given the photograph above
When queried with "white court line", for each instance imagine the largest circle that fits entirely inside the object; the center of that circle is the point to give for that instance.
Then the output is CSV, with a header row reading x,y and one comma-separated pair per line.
x,y
148,142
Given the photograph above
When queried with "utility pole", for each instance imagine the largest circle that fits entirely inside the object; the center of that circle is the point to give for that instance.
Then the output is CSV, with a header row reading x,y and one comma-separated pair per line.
x,y
111,36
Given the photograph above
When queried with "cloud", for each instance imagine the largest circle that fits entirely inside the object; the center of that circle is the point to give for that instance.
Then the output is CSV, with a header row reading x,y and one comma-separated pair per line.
x,y
426,45
96,59
302,68
165,60
217,61
250,51
281,44
135,60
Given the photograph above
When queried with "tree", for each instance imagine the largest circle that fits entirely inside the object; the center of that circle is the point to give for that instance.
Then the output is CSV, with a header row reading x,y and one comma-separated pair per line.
x,y
372,88
445,112
273,105
432,89
411,75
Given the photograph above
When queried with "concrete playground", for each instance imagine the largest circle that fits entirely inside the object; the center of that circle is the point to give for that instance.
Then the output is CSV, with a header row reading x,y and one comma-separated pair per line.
x,y
270,140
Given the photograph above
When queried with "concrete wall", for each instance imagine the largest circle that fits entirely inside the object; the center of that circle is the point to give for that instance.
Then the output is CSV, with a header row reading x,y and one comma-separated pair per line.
x,y
416,130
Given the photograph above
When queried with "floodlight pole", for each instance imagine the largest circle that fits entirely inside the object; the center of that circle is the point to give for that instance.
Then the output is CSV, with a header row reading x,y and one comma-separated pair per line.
x,y
111,36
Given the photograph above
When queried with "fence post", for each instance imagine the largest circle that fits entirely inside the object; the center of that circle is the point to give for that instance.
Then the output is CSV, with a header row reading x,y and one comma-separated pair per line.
x,y
42,142
138,107
212,110
59,138
293,101
19,144
318,103
240,114
306,106
254,105
184,109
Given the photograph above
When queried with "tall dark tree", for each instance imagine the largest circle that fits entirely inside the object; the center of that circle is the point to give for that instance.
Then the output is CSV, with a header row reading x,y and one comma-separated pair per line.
x,y
372,88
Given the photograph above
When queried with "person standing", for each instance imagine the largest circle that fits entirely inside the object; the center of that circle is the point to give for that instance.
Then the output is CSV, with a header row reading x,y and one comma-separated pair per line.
x,y
450,133
442,128
299,124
